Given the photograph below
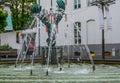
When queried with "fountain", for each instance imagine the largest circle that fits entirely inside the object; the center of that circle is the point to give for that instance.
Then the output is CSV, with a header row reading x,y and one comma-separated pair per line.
x,y
74,73
52,25
50,20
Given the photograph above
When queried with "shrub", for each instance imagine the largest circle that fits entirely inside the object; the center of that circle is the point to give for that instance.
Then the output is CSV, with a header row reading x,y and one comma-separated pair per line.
x,y
6,46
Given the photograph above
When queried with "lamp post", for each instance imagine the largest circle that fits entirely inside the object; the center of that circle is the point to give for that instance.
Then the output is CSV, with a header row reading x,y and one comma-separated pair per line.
x,y
103,3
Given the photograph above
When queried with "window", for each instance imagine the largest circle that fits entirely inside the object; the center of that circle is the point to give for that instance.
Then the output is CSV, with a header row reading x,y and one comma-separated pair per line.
x,y
89,2
77,35
92,33
77,4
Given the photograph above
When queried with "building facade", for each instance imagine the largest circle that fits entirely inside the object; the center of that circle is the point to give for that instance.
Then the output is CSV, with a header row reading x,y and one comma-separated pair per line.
x,y
82,27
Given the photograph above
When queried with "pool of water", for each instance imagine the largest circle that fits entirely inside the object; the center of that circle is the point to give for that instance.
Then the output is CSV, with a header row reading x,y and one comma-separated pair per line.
x,y
77,73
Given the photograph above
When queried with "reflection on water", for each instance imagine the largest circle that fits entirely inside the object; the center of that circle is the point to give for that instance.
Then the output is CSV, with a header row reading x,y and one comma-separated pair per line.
x,y
78,73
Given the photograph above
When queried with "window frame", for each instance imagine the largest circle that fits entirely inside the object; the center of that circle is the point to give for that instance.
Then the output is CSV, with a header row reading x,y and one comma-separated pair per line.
x,y
77,4
77,34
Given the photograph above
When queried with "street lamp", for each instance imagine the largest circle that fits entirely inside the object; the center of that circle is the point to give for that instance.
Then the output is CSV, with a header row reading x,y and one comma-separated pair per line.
x,y
103,3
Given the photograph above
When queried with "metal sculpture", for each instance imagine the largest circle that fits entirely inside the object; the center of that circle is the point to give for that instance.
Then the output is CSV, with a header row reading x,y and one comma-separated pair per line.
x,y
51,20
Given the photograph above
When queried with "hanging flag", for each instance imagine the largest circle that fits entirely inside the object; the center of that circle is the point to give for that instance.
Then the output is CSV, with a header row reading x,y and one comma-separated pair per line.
x,y
100,17
9,19
109,20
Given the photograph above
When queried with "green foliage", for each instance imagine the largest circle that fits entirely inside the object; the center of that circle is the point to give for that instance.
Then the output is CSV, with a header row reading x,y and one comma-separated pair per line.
x,y
21,14
6,46
3,22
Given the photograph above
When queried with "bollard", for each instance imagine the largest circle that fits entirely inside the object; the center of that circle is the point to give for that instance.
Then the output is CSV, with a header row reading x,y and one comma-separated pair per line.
x,y
15,65
60,69
47,73
93,68
68,65
31,72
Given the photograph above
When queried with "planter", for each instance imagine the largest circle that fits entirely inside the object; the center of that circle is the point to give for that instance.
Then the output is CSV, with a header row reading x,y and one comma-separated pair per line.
x,y
8,52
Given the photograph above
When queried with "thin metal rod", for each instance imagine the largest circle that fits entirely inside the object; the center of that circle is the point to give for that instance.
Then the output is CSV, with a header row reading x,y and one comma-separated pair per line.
x,y
51,3
39,41
49,53
103,36
51,10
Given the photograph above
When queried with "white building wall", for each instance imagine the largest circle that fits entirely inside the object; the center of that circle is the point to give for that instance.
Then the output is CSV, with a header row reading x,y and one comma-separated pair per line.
x,y
90,32
111,36
10,39
115,14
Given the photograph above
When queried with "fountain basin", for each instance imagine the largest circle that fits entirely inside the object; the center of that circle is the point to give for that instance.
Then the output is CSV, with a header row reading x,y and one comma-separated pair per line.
x,y
77,73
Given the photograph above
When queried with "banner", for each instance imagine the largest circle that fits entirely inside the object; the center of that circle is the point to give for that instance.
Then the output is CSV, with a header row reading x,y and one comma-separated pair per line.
x,y
100,17
108,18
9,19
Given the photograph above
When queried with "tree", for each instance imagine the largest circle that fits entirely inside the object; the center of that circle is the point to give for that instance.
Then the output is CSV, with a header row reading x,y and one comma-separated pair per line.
x,y
3,22
21,15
